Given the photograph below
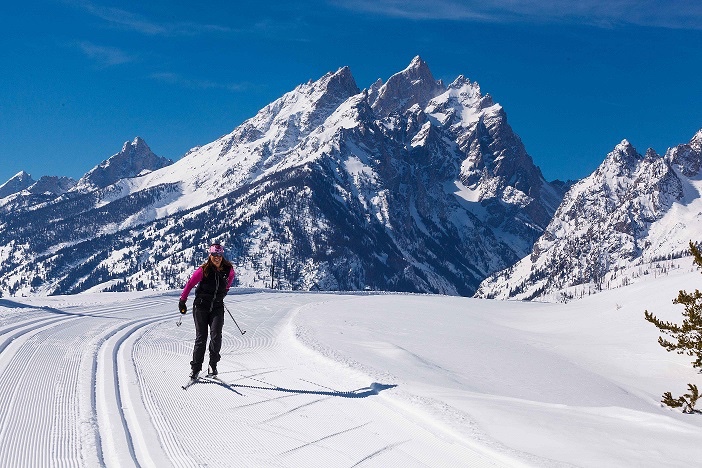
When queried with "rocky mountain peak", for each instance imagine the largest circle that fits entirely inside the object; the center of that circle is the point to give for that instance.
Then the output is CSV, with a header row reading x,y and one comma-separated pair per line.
x,y
297,112
53,185
687,157
134,159
696,142
333,89
651,154
462,81
373,90
621,161
137,146
343,78
16,183
413,85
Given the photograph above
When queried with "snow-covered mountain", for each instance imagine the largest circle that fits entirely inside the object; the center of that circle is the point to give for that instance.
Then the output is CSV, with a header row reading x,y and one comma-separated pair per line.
x,y
635,215
135,158
409,185
22,191
52,185
17,183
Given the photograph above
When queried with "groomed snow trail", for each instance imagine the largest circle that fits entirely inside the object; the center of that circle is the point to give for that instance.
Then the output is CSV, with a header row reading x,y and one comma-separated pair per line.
x,y
93,381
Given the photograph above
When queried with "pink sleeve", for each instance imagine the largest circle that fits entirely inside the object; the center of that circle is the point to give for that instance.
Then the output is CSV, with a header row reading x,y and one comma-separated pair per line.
x,y
230,279
192,282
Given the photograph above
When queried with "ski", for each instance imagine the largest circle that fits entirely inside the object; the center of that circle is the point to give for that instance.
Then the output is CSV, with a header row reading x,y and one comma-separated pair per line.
x,y
187,385
203,378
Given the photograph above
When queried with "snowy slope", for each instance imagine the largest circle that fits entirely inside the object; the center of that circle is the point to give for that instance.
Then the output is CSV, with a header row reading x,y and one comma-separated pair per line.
x,y
347,380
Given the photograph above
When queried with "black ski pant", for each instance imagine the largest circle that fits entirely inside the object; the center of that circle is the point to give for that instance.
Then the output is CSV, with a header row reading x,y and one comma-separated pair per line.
x,y
204,319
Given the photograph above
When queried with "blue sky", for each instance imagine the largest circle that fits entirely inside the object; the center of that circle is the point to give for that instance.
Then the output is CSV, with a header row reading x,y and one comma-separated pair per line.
x,y
81,77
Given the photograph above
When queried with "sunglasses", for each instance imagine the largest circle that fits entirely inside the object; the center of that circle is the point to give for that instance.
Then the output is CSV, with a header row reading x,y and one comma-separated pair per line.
x,y
215,255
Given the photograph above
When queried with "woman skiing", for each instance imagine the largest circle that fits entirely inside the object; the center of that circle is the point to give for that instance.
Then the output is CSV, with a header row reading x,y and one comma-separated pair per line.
x,y
213,279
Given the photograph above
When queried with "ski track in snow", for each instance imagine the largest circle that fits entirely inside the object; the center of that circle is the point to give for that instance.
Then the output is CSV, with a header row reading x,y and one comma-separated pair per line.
x,y
108,393
59,408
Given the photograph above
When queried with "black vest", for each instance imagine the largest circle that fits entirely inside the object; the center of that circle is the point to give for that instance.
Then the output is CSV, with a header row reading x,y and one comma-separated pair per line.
x,y
212,288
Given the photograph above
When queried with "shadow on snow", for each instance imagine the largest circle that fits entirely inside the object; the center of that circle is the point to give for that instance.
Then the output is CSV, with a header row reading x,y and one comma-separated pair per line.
x,y
364,392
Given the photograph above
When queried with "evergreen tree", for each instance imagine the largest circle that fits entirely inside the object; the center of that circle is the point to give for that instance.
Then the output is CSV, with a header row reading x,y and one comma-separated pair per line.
x,y
685,338
687,401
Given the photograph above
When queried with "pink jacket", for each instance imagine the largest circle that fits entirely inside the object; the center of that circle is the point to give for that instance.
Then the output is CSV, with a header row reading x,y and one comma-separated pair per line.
x,y
197,277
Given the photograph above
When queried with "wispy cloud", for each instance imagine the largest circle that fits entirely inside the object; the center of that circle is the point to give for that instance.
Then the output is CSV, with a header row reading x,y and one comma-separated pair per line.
x,y
123,19
678,14
179,80
104,55
418,9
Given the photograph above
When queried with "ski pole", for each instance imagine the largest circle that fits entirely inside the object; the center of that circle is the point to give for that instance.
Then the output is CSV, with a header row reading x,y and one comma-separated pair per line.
x,y
179,320
237,325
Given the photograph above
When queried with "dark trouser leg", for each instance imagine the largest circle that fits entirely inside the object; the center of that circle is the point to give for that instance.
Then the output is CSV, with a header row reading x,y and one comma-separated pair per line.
x,y
200,317
216,324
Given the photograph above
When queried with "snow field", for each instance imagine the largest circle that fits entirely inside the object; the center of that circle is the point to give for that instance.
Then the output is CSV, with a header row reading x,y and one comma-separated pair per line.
x,y
545,384
279,406
334,380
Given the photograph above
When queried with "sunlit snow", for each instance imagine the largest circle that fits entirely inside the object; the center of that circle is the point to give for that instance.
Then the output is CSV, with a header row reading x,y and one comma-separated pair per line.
x,y
341,380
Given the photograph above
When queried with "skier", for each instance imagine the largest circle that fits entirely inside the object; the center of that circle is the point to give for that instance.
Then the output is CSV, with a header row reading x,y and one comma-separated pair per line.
x,y
213,279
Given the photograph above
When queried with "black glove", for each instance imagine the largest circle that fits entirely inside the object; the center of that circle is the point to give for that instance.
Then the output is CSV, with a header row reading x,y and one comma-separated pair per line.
x,y
182,307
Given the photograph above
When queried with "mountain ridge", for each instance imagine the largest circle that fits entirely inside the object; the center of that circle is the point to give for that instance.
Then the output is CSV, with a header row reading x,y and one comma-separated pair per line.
x,y
338,188
634,214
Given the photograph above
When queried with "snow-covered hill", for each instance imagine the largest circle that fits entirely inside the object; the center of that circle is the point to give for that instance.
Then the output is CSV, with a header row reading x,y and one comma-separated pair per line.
x,y
634,216
410,185
338,380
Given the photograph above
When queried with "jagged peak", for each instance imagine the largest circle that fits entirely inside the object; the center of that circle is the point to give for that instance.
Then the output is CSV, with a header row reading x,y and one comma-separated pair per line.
x,y
345,70
130,148
21,175
139,141
417,63
624,145
417,69
138,144
651,154
688,157
52,184
696,141
461,81
343,79
622,160
333,86
133,159
626,149
413,85
342,76
16,183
